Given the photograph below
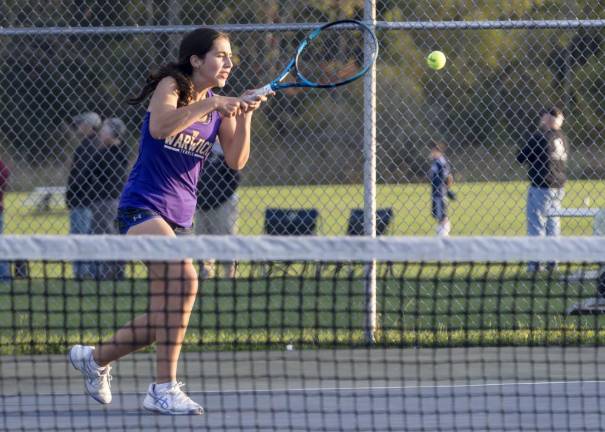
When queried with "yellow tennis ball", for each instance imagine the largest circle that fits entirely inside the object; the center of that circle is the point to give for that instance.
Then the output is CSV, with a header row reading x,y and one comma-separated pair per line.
x,y
436,60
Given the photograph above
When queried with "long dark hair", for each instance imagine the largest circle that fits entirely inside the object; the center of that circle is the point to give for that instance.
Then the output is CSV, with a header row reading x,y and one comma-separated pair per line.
x,y
198,42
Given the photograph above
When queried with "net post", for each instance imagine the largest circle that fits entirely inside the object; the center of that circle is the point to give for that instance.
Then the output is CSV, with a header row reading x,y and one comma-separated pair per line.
x,y
369,173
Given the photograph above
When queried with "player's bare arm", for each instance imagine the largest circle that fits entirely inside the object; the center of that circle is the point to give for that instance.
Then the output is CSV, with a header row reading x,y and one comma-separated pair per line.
x,y
166,119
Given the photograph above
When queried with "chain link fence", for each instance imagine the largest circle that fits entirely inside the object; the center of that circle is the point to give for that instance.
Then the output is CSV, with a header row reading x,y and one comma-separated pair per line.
x,y
505,63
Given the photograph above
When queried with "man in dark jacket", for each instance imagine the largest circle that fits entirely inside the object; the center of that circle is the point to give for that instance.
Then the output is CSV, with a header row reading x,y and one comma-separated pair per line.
x,y
108,174
79,192
545,154
217,201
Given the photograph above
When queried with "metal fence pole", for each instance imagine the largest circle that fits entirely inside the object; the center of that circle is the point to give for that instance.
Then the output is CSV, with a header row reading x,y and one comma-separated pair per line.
x,y
369,177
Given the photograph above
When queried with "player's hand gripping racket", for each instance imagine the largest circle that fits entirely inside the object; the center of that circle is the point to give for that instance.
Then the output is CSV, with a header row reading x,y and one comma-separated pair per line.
x,y
331,56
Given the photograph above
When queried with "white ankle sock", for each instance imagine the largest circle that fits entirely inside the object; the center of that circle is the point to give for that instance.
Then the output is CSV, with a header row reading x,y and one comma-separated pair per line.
x,y
92,363
161,388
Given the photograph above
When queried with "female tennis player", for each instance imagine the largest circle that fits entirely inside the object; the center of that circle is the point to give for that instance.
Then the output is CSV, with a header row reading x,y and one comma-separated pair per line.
x,y
184,118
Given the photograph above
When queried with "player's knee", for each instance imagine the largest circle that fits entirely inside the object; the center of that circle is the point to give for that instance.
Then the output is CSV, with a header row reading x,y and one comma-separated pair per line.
x,y
181,277
189,278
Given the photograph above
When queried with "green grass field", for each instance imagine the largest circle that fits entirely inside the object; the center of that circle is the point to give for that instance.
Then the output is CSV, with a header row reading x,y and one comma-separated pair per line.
x,y
47,315
481,209
465,309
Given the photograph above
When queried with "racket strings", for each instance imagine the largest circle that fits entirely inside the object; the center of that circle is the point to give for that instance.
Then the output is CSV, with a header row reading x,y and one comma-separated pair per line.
x,y
336,55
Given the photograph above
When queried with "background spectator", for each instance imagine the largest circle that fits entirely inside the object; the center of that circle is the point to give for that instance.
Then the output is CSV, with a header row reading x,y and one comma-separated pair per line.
x,y
546,154
441,179
108,174
4,174
217,211
79,192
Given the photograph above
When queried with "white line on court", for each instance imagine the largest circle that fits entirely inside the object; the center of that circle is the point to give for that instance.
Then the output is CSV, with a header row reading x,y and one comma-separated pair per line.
x,y
410,387
337,389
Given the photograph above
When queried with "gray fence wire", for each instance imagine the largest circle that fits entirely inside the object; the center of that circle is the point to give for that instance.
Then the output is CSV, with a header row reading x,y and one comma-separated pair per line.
x,y
505,63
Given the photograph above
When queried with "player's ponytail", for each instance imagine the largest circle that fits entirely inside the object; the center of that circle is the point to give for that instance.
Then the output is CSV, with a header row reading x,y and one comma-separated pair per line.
x,y
174,70
198,42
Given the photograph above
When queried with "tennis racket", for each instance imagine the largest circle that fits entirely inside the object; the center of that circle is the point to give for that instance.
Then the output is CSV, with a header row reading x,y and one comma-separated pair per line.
x,y
330,56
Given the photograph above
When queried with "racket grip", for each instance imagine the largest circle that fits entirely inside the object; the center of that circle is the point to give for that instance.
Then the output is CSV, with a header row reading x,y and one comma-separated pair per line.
x,y
260,92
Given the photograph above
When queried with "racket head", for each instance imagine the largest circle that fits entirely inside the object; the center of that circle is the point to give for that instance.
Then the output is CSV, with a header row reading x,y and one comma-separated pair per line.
x,y
335,54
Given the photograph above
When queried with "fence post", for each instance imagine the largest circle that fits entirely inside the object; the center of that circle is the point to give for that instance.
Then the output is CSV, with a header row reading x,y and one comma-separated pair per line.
x,y
369,176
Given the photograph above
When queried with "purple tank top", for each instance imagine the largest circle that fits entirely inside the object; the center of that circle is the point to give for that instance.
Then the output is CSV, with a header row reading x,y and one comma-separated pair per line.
x,y
164,177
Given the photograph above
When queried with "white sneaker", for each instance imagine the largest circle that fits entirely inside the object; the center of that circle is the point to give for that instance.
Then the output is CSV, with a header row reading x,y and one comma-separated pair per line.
x,y
96,380
591,306
172,401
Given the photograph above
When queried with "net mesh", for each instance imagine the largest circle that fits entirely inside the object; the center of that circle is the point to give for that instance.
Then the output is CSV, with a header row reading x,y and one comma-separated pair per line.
x,y
469,333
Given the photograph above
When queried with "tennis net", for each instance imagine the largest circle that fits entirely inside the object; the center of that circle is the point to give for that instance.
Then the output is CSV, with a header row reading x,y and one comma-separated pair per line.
x,y
323,334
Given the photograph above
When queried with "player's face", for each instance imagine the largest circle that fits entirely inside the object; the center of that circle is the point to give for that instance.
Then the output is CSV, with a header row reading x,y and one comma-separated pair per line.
x,y
215,67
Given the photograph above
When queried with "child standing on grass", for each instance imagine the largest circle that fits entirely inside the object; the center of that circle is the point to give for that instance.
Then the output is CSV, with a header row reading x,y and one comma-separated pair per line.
x,y
441,180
